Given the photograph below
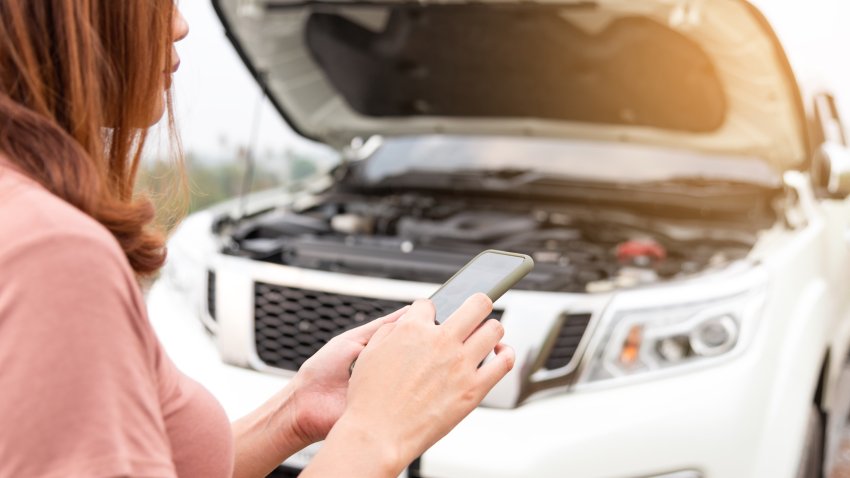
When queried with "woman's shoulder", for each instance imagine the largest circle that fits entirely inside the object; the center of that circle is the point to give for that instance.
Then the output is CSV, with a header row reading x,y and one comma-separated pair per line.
x,y
32,217
29,212
57,262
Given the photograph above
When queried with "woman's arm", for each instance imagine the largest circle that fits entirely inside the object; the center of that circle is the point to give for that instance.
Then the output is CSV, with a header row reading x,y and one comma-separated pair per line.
x,y
354,449
267,436
350,449
304,411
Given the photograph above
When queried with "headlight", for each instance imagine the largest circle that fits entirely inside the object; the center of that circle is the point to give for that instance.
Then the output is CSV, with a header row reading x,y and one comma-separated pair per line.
x,y
653,340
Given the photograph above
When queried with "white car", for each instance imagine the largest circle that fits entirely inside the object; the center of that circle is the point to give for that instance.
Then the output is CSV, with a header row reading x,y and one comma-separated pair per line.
x,y
677,173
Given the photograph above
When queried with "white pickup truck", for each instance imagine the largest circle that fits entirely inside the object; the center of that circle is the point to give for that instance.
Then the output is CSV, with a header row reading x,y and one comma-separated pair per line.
x,y
677,172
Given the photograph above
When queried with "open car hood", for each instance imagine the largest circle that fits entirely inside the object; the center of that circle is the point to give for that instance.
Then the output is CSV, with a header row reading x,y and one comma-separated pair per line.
x,y
706,75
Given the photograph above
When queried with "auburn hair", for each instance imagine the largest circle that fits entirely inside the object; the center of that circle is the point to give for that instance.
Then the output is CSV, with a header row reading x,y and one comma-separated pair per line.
x,y
80,82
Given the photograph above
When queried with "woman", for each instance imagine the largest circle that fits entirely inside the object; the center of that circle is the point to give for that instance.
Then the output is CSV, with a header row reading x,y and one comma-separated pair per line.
x,y
85,387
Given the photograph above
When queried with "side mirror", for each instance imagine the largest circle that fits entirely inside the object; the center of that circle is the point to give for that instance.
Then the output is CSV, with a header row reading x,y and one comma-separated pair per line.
x,y
831,170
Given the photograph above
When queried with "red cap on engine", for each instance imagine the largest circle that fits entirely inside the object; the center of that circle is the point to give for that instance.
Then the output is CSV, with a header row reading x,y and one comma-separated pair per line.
x,y
631,250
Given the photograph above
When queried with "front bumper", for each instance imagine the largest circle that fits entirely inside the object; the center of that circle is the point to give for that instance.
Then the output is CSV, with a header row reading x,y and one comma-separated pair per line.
x,y
718,422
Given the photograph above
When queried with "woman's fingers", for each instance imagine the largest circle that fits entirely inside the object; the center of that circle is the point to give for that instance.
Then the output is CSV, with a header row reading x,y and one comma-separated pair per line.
x,y
422,310
484,340
491,372
468,316
394,316
437,365
364,333
384,329
382,332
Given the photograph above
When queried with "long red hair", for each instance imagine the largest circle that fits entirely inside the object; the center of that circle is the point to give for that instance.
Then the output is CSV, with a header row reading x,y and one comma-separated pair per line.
x,y
80,80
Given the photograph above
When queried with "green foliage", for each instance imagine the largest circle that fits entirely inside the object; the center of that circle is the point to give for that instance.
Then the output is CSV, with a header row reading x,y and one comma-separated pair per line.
x,y
302,168
211,182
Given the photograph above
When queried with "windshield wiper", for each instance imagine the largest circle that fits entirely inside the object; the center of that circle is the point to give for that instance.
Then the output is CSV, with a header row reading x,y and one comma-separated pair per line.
x,y
524,182
493,179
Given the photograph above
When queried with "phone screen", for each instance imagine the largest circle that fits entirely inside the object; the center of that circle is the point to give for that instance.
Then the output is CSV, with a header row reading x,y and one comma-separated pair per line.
x,y
481,275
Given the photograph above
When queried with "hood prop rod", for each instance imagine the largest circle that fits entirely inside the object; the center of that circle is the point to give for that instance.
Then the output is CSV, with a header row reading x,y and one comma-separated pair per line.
x,y
250,161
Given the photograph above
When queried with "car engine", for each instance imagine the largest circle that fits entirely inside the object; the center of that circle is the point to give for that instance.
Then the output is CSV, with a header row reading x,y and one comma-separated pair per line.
x,y
576,248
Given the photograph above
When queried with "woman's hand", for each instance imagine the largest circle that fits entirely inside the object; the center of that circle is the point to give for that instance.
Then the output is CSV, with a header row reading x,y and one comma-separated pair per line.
x,y
414,381
305,410
321,385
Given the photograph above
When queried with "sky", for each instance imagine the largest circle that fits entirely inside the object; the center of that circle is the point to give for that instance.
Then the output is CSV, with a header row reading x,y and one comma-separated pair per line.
x,y
215,96
216,99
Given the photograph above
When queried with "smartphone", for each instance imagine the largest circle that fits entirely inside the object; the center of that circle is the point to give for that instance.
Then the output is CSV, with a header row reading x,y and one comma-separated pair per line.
x,y
491,272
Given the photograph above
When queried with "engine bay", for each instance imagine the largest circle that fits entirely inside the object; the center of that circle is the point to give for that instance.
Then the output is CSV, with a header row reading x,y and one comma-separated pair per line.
x,y
427,237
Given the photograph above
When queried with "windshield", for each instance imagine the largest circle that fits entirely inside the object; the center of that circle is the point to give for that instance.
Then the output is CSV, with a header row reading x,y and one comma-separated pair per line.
x,y
557,159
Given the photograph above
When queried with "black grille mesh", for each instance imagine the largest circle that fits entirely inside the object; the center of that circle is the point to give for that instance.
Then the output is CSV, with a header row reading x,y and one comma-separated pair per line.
x,y
284,472
211,294
569,335
291,324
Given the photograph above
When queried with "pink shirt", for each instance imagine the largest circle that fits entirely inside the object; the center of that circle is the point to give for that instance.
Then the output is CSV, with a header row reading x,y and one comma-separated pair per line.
x,y
86,390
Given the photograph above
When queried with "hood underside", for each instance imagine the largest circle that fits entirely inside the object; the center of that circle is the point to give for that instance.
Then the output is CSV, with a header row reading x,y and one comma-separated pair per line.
x,y
695,74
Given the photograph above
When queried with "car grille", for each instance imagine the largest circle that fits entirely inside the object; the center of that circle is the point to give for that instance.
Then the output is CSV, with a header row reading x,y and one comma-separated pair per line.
x,y
292,324
211,294
284,472
566,342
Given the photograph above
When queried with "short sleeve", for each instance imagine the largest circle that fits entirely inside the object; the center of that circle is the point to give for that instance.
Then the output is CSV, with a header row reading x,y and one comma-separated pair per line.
x,y
78,384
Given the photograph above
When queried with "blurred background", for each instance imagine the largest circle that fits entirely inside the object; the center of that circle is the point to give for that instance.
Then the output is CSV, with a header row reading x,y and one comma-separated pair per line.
x,y
235,142
221,116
